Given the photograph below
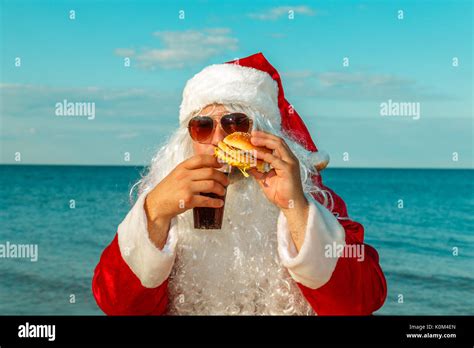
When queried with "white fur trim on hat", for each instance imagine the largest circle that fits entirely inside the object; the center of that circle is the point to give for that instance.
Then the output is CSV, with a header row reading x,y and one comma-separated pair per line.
x,y
231,83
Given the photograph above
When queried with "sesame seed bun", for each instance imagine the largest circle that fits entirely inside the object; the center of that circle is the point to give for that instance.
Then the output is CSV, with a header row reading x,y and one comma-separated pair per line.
x,y
241,141
237,150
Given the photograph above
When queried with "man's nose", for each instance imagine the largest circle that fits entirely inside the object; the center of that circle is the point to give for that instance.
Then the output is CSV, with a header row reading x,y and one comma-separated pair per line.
x,y
218,135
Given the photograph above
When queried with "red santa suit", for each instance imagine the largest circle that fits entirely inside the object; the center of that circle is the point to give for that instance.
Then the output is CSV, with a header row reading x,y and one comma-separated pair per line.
x,y
133,275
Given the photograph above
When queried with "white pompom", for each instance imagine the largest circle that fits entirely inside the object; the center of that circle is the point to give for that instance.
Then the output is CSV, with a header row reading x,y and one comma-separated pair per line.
x,y
320,160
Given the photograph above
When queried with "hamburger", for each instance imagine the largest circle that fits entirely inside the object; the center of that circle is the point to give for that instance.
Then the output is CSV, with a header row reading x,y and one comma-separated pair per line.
x,y
237,150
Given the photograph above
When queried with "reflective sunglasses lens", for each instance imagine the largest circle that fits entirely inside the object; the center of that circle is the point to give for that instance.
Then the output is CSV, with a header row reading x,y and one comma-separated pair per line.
x,y
236,122
200,127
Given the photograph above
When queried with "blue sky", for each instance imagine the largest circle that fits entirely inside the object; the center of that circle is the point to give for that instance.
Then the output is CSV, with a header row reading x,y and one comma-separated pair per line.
x,y
408,60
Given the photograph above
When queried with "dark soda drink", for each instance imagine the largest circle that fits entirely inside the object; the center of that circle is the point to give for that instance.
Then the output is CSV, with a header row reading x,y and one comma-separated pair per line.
x,y
209,218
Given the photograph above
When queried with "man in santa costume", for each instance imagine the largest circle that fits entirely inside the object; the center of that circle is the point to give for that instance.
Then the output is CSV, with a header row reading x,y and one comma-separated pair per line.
x,y
276,250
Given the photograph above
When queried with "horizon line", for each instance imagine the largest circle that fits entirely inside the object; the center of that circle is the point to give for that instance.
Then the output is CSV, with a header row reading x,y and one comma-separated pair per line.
x,y
146,165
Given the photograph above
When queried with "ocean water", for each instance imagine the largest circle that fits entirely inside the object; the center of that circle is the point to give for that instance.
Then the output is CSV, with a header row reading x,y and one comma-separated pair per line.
x,y
415,242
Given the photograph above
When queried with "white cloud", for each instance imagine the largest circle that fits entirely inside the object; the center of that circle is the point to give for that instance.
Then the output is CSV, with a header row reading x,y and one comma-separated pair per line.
x,y
335,79
356,85
27,107
127,119
298,74
183,48
280,11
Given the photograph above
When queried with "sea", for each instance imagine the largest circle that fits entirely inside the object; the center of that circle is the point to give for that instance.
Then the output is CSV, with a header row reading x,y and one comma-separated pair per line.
x,y
419,220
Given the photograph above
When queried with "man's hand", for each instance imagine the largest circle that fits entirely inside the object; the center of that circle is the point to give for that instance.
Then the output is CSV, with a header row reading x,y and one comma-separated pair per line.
x,y
179,191
282,185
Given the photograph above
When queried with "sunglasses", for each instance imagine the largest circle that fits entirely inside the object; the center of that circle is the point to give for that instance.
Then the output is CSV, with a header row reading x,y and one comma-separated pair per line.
x,y
201,128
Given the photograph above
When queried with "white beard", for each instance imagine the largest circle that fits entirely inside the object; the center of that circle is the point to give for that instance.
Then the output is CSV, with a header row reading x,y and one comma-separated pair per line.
x,y
235,270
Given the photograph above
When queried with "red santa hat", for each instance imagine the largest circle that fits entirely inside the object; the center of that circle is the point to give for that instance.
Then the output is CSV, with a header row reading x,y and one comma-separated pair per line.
x,y
249,81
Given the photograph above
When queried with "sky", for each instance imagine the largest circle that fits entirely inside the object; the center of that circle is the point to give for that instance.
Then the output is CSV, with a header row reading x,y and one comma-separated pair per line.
x,y
422,55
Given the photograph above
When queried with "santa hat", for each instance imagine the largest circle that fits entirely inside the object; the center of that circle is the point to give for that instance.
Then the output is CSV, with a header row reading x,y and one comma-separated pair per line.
x,y
249,81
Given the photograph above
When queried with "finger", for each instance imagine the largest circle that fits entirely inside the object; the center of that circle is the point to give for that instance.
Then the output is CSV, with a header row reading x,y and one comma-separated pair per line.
x,y
201,161
269,174
209,174
275,162
266,135
207,186
255,173
199,201
267,143
261,134
271,159
262,177
277,144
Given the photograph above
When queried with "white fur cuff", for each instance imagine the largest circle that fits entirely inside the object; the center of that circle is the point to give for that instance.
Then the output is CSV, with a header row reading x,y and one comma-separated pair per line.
x,y
150,264
310,266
